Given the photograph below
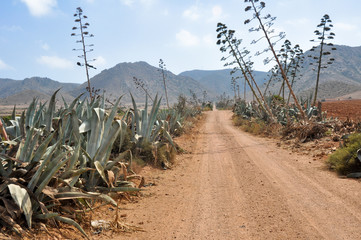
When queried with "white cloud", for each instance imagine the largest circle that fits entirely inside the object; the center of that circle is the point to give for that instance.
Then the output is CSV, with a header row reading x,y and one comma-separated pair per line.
x,y
45,46
345,26
165,12
216,12
187,39
4,66
147,2
55,62
40,8
192,13
144,3
209,40
128,3
12,28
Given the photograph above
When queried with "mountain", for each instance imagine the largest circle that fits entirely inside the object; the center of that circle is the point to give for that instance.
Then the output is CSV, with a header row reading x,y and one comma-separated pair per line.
x,y
219,81
22,91
118,80
24,97
343,77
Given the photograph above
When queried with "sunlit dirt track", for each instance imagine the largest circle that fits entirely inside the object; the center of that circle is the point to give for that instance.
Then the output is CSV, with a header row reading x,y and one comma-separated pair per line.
x,y
237,186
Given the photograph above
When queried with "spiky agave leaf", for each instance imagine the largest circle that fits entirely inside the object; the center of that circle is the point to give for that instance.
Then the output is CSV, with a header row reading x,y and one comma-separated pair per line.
x,y
22,199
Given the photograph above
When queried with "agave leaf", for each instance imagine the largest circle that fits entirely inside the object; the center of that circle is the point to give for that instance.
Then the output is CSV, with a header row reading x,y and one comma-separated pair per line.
x,y
51,174
108,123
168,137
96,131
34,180
153,115
46,216
22,199
50,113
101,172
109,165
64,102
108,199
13,114
82,166
74,158
135,112
107,143
74,195
75,173
120,189
85,126
14,129
75,124
22,124
30,113
34,142
156,131
75,101
71,222
145,121
80,110
42,148
123,133
38,115
11,142
27,142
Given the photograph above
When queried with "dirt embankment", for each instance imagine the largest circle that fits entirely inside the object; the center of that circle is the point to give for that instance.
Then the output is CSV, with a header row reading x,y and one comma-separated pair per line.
x,y
236,186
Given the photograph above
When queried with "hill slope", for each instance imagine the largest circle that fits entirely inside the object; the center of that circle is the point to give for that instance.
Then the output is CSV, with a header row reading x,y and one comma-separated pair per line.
x,y
219,81
343,77
118,80
23,91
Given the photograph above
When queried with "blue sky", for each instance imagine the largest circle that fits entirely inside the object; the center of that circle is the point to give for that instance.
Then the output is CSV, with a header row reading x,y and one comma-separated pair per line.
x,y
35,34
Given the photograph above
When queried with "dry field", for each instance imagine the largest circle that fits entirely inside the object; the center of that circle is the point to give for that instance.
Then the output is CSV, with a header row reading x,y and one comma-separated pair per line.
x,y
343,109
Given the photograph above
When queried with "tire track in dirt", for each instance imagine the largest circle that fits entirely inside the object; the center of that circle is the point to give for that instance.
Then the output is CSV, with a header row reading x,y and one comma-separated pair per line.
x,y
237,186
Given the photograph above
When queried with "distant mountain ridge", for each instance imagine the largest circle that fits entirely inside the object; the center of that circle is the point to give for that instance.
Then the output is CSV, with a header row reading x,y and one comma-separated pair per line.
x,y
219,81
342,79
23,91
118,80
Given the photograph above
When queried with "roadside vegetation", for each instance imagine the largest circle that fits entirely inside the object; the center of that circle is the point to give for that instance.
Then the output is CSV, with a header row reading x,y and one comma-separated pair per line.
x,y
57,164
280,112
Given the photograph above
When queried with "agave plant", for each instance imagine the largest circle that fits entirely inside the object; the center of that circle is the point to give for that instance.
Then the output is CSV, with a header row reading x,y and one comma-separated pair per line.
x,y
174,119
145,126
53,156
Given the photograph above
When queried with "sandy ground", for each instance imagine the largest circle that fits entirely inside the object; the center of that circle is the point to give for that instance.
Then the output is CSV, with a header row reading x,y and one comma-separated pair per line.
x,y
236,186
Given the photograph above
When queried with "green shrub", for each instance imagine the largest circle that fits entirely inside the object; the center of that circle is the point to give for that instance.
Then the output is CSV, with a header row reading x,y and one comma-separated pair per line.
x,y
344,160
6,119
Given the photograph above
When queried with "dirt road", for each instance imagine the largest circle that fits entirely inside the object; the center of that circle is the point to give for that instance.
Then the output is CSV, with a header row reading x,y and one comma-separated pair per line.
x,y
237,186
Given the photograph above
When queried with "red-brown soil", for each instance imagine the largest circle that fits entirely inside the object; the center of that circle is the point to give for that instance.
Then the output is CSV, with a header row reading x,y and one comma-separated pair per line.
x,y
343,109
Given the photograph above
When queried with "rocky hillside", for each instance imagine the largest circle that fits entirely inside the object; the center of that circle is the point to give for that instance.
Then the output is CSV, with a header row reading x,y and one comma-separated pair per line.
x,y
219,81
343,77
23,91
118,80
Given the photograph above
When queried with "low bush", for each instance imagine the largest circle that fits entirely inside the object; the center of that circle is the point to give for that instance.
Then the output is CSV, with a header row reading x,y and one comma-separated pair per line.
x,y
255,126
345,160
